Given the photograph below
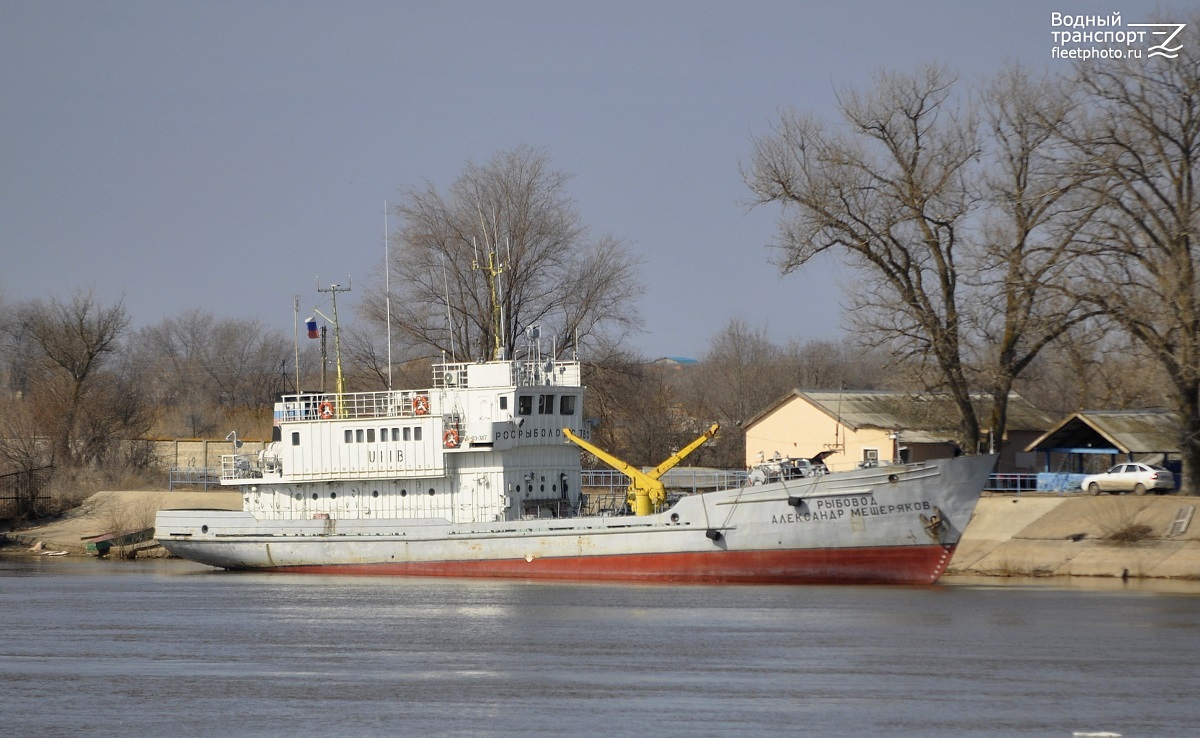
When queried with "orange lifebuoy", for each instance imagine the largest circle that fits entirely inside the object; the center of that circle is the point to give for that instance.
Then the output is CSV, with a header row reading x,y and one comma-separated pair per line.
x,y
421,405
326,410
450,439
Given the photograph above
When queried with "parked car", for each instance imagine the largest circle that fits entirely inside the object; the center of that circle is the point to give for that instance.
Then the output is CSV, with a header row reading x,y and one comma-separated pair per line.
x,y
1130,477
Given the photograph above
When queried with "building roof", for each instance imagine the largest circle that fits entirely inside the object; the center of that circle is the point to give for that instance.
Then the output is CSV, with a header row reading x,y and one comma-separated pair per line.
x,y
1123,431
922,418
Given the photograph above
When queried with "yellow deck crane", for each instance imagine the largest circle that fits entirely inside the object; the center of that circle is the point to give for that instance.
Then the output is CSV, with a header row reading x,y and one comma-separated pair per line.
x,y
646,493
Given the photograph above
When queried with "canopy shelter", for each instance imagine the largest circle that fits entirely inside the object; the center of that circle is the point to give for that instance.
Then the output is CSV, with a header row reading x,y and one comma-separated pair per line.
x,y
1111,433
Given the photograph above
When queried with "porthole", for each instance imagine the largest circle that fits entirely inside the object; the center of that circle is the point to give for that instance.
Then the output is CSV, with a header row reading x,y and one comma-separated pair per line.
x,y
431,491
542,488
554,488
314,495
333,495
375,493
674,517
204,529
299,496
404,493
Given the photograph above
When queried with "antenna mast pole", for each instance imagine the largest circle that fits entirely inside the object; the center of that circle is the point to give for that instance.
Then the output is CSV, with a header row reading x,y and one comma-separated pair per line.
x,y
387,288
493,270
332,290
296,336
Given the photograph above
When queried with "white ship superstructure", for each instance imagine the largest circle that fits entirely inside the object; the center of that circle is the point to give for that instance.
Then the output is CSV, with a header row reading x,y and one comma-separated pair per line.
x,y
485,443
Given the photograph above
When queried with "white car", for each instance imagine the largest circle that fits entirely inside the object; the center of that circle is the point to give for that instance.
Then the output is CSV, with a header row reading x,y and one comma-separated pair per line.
x,y
1130,477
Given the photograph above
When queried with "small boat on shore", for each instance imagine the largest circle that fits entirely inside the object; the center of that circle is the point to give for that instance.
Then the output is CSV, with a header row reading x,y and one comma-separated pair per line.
x,y
477,476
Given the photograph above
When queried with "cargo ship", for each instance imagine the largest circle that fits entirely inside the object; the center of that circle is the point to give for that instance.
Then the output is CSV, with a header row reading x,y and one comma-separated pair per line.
x,y
479,475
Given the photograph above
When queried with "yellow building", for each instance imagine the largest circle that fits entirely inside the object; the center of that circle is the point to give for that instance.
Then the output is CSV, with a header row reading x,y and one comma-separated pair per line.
x,y
875,427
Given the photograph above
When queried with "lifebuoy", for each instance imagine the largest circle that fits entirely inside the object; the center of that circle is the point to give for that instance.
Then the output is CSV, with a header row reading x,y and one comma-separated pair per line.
x,y
326,410
450,438
421,405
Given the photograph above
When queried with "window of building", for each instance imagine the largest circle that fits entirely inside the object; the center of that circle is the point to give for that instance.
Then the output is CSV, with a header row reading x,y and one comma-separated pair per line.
x,y
566,405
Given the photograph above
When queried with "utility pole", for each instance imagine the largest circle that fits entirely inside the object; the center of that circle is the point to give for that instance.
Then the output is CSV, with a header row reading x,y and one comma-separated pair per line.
x,y
333,290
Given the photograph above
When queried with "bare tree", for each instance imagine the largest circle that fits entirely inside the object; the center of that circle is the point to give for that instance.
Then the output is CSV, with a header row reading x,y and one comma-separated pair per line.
x,y
201,365
22,445
739,376
1095,366
894,195
1140,148
964,231
73,339
247,364
509,219
1032,216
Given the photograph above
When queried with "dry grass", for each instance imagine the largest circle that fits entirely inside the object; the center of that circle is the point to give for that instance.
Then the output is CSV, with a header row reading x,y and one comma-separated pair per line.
x,y
1008,567
1116,520
68,488
126,515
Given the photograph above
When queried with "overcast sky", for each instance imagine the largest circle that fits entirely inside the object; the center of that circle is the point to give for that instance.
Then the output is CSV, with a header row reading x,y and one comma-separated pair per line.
x,y
223,155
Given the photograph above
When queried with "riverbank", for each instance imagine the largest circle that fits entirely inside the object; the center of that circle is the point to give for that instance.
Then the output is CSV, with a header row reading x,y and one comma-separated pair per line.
x,y
109,511
1009,536
1105,536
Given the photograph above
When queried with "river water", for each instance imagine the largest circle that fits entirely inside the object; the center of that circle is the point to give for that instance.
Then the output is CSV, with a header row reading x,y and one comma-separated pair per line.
x,y
171,648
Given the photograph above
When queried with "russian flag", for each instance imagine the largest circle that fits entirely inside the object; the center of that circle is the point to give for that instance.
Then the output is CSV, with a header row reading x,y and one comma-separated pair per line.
x,y
311,325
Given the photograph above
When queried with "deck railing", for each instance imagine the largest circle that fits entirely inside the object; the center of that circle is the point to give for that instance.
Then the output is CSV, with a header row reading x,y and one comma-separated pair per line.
x,y
353,405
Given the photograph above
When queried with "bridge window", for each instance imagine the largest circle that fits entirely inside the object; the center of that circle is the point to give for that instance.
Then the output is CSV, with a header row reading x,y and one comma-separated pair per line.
x,y
566,405
407,433
295,439
358,435
417,433
525,405
545,404
395,434
370,435
349,436
504,403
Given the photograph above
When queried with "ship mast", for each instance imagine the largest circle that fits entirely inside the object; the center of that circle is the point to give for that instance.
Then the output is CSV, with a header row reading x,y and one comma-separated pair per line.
x,y
333,289
493,270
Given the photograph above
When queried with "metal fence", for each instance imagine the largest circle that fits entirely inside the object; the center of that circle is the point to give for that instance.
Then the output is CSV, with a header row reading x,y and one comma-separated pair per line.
x,y
21,491
1012,483
193,476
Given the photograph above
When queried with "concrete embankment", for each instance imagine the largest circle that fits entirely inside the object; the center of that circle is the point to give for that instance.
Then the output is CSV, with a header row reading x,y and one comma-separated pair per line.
x,y
1029,535
1101,536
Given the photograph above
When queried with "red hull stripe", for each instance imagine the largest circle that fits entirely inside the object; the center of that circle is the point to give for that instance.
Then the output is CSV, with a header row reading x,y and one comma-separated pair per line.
x,y
890,565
